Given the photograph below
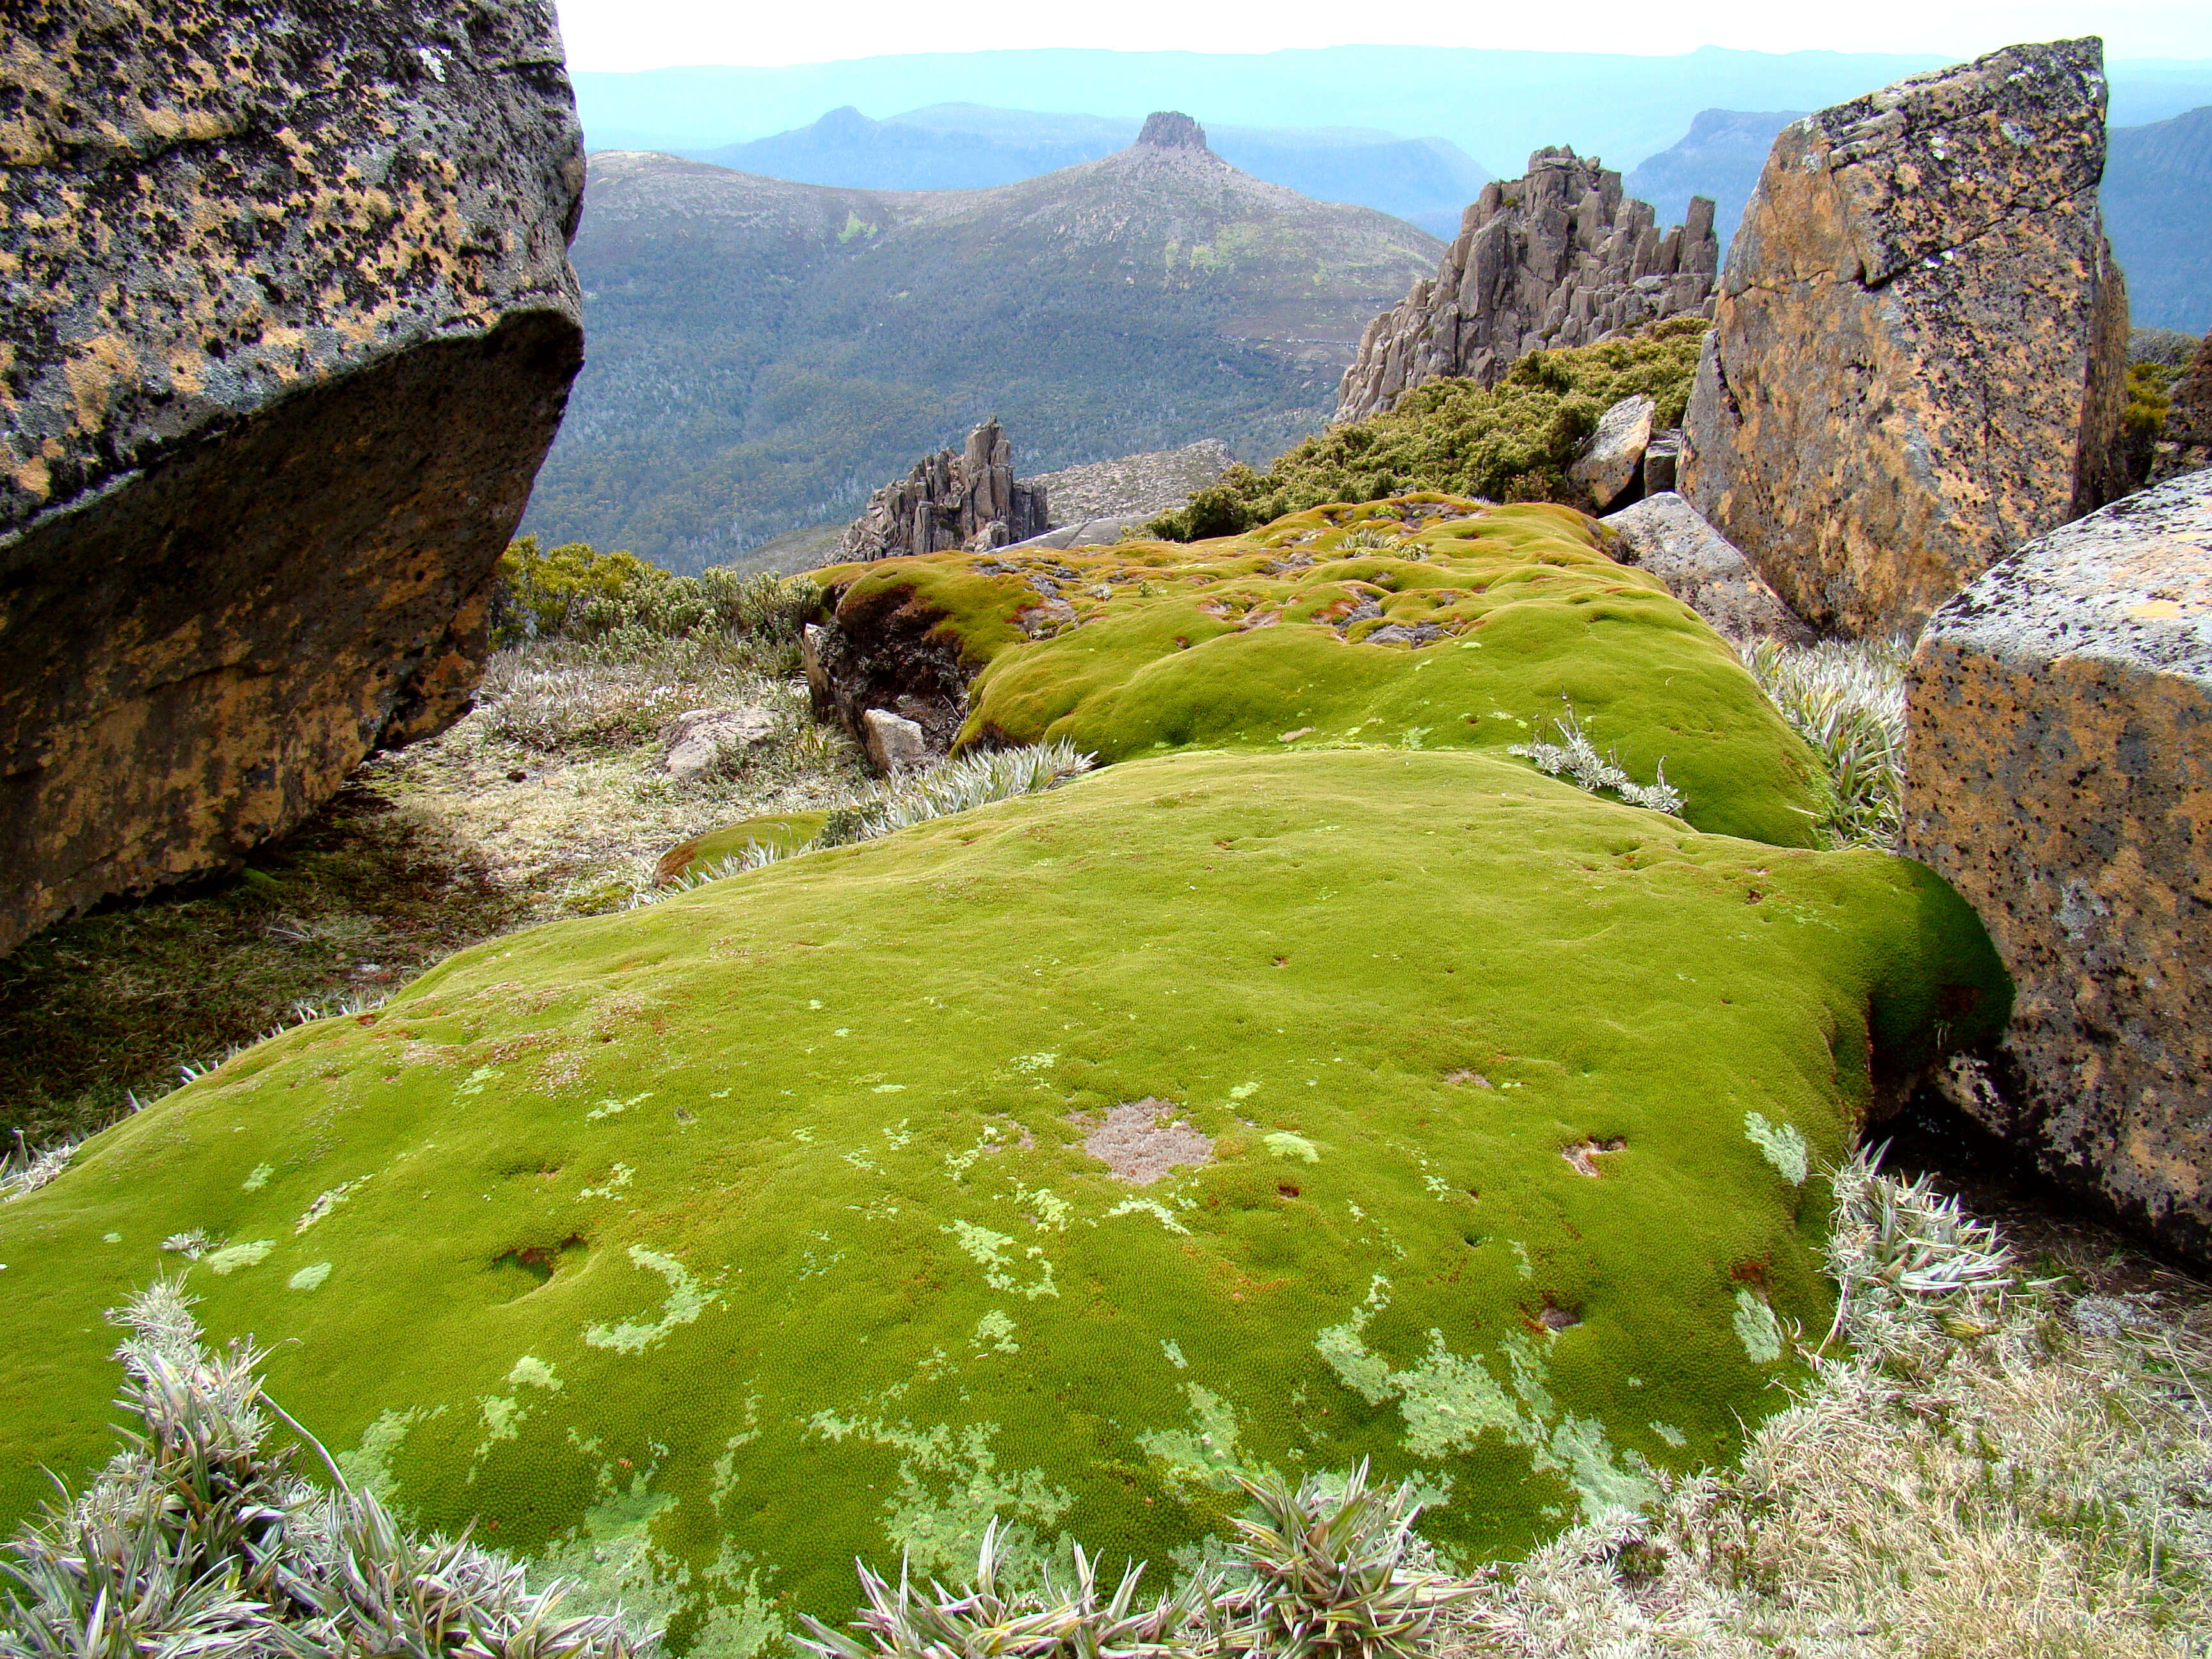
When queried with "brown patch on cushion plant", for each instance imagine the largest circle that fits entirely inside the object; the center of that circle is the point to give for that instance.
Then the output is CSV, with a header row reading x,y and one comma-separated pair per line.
x,y
2002,1468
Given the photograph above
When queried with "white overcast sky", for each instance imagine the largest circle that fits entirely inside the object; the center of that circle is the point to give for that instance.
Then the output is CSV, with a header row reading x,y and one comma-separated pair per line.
x,y
632,35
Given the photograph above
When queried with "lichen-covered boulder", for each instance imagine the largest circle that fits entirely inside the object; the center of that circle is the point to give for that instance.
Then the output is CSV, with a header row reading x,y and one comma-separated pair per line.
x,y
2059,774
1919,340
1423,620
290,323
696,1249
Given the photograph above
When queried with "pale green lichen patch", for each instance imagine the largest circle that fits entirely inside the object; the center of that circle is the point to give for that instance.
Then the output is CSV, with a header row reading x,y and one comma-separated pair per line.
x,y
1282,1143
231,1257
686,1300
1783,1144
1758,1329
309,1278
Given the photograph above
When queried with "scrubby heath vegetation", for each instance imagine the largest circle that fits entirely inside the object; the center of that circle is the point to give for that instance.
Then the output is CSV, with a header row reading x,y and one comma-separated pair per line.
x,y
1422,622
1510,442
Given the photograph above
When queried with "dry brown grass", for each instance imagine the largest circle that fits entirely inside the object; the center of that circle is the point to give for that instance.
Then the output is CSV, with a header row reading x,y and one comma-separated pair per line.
x,y
1992,1473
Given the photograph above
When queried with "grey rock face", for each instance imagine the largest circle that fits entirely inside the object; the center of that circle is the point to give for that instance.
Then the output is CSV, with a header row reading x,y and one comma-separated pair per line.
x,y
1089,533
1558,258
1606,467
2059,776
2185,443
1135,486
1664,534
1919,343
288,325
1168,129
967,498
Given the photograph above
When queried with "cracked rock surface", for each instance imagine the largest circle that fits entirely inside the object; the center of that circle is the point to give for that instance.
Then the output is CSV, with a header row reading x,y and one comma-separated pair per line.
x,y
1919,343
2059,776
288,325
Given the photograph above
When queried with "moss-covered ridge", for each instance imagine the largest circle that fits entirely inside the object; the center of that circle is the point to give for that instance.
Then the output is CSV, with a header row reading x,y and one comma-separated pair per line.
x,y
1423,622
701,1247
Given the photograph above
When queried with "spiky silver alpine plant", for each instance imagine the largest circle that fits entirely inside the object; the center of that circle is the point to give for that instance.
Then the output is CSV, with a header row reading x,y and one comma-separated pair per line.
x,y
983,1620
1845,698
201,1540
1575,758
1324,1573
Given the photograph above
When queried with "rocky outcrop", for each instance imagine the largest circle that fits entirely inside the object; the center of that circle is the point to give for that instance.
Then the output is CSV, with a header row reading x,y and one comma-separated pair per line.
x,y
2185,443
1134,486
1920,340
2059,776
965,498
1558,258
290,323
1663,534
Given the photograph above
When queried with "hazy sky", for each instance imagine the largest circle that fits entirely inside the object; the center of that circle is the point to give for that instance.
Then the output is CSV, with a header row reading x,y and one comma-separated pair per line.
x,y
629,34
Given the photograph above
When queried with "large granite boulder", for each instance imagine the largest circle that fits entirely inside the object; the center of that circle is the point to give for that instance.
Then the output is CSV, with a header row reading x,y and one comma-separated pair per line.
x,y
290,323
1558,257
1920,340
2059,774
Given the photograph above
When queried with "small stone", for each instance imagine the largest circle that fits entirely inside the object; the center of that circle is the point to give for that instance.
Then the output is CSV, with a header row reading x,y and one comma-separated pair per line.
x,y
697,737
894,743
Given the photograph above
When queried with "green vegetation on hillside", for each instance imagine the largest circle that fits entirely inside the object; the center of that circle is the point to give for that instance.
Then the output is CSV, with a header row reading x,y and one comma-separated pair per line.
x,y
1510,442
758,364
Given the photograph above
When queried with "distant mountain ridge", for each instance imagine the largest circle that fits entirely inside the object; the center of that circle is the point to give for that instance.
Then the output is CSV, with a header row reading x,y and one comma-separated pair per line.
x,y
1427,181
1720,157
764,354
2158,212
1497,106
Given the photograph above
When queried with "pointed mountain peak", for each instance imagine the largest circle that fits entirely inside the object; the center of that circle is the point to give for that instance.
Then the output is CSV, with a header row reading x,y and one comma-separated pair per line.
x,y
1167,129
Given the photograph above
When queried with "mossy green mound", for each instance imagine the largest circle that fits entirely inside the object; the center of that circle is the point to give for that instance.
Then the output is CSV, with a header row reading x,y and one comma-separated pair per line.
x,y
701,1247
1424,622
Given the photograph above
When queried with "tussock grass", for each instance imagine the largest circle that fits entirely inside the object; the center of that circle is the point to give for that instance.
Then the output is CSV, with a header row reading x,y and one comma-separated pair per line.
x,y
1846,698
1986,1468
200,1538
957,784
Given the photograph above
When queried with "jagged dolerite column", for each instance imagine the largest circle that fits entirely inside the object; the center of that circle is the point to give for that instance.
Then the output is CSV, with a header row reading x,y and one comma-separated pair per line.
x,y
1558,258
1920,340
288,326
963,498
